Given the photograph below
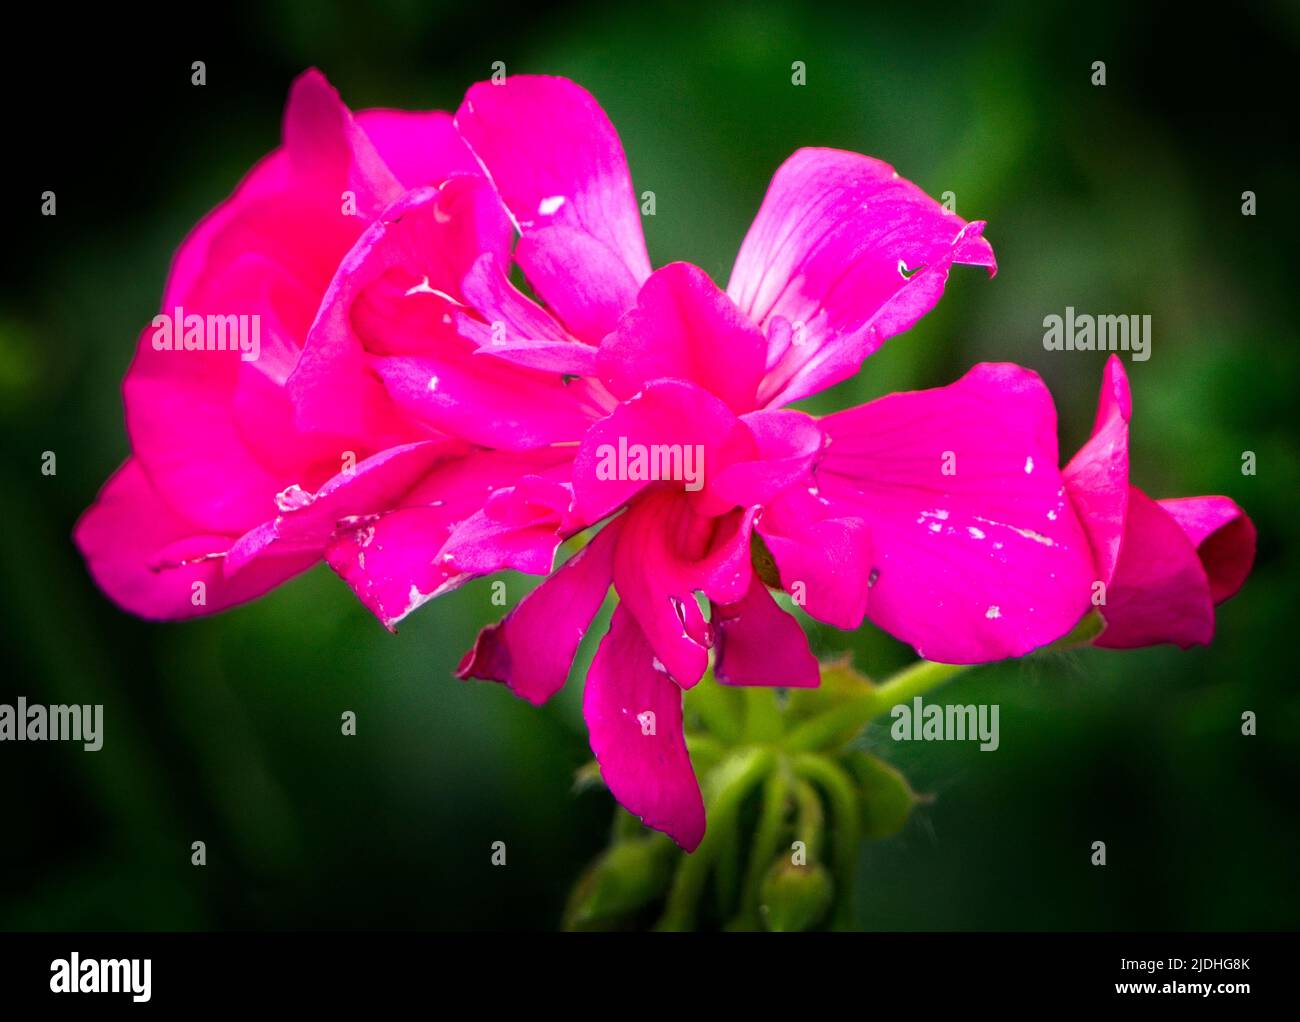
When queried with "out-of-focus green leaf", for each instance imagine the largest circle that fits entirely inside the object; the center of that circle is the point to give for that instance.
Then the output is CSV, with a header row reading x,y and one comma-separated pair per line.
x,y
625,879
887,798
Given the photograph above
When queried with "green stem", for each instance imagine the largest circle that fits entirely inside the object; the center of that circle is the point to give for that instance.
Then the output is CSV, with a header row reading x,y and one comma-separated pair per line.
x,y
845,813
726,873
719,708
626,826
765,846
705,751
810,819
730,783
916,679
762,715
912,681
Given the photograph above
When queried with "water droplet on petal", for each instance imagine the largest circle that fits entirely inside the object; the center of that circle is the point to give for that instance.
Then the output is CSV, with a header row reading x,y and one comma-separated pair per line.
x,y
291,498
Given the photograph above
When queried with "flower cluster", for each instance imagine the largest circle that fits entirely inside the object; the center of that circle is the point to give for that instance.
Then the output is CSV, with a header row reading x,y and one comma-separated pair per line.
x,y
415,418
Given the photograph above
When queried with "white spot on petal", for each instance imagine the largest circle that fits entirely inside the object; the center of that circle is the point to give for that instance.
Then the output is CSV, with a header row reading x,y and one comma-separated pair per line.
x,y
1030,534
291,498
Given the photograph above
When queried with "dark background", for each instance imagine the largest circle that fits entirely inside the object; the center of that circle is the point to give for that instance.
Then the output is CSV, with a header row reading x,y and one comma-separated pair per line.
x,y
1120,199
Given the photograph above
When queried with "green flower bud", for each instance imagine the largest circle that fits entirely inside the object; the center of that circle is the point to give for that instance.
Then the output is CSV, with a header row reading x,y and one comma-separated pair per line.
x,y
795,898
625,879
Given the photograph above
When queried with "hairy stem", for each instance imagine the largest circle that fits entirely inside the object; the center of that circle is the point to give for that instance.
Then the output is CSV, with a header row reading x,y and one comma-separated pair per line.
x,y
845,811
730,783
766,845
913,680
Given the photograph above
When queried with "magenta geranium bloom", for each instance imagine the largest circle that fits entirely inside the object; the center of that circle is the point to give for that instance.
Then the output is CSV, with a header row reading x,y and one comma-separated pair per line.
x,y
416,420
1162,565
220,472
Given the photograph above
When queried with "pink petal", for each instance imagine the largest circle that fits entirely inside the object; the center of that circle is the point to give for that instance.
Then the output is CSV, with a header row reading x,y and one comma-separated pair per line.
x,y
483,400
668,415
559,167
818,555
1097,477
268,251
1224,537
987,562
535,497
329,151
580,278
395,563
308,521
520,528
419,148
758,643
634,717
393,294
253,257
822,267
532,648
390,310
482,545
788,445
1160,592
264,185
506,324
153,562
822,554
391,564
666,553
684,327
218,436
565,357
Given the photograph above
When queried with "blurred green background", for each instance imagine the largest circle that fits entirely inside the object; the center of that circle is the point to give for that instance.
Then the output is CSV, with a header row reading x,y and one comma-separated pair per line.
x,y
1121,199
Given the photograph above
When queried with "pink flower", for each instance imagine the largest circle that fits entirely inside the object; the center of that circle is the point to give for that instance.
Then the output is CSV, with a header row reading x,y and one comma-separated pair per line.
x,y
1162,565
245,471
941,514
969,548
416,420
